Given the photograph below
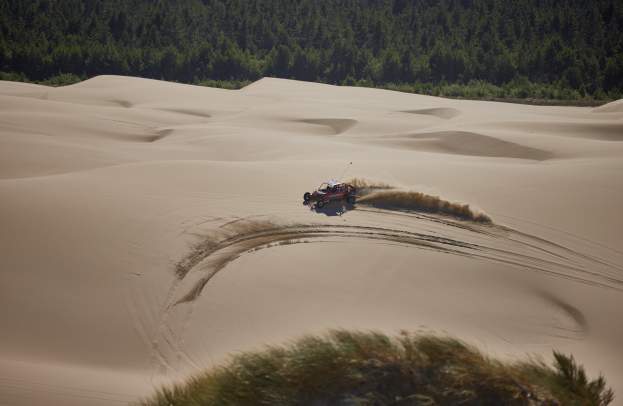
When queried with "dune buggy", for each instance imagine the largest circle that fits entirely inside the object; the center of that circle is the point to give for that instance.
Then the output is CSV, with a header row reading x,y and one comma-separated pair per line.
x,y
330,191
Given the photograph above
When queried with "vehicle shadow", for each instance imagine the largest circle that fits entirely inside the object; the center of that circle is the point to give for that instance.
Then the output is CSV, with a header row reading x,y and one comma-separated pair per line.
x,y
335,208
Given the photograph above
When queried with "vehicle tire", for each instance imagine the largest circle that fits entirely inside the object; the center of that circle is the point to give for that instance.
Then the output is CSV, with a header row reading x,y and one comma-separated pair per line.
x,y
306,197
351,199
320,204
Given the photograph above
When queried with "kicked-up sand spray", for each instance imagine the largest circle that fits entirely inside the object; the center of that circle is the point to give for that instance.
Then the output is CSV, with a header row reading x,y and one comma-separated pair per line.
x,y
385,196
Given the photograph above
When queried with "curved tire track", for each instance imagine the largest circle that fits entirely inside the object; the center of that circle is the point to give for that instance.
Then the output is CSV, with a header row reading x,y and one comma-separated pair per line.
x,y
494,243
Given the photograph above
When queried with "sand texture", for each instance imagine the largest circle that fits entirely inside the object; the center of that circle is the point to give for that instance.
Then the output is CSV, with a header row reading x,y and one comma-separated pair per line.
x,y
148,229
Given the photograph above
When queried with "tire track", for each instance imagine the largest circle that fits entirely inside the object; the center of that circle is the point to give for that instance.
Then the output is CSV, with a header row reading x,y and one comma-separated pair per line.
x,y
493,243
489,242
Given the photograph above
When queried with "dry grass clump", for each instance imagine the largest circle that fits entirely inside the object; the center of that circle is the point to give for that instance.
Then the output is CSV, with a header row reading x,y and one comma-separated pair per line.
x,y
348,368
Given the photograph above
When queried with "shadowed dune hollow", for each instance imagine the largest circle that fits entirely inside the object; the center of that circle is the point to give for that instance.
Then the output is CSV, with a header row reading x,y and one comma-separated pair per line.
x,y
440,112
334,126
466,143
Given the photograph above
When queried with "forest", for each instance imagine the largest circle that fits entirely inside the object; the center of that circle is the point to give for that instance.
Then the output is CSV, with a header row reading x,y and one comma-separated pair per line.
x,y
543,49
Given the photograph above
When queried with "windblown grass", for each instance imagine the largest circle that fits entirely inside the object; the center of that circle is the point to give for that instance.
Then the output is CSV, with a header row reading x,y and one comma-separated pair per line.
x,y
357,368
383,195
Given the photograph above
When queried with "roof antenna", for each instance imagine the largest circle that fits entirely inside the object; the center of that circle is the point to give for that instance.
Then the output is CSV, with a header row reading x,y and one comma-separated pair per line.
x,y
345,169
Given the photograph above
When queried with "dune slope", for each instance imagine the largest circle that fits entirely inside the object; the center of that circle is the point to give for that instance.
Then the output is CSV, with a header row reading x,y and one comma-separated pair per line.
x,y
152,228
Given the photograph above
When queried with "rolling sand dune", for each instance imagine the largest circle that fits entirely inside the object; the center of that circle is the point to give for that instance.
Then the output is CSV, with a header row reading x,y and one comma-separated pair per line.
x,y
150,228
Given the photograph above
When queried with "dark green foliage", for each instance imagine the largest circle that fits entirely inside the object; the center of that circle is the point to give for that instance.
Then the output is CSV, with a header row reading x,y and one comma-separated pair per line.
x,y
225,84
550,49
352,368
63,79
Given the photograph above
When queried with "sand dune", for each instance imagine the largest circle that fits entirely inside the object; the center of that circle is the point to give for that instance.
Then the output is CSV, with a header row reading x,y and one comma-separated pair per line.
x,y
150,228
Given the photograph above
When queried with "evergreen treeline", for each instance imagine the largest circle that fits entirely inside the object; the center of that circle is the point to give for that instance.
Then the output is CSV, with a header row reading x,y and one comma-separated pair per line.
x,y
545,48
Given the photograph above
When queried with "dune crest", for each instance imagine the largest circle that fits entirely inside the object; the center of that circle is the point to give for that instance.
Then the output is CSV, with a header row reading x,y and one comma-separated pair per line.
x,y
612,107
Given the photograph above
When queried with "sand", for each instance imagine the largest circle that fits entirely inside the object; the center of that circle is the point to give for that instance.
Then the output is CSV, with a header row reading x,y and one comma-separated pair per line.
x,y
149,229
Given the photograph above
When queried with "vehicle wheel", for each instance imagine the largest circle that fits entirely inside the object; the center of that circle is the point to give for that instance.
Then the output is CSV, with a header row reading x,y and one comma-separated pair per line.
x,y
320,204
351,199
306,196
